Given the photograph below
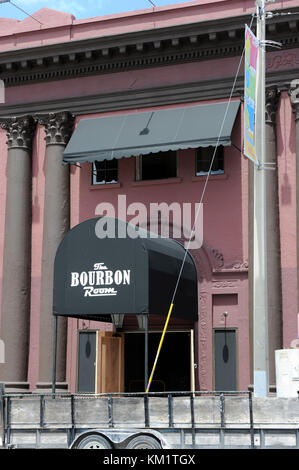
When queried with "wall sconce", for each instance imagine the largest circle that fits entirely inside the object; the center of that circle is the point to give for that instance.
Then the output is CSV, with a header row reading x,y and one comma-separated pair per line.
x,y
141,321
117,320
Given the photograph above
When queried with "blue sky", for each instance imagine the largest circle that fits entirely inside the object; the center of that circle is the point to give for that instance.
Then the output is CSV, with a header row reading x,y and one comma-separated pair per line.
x,y
79,8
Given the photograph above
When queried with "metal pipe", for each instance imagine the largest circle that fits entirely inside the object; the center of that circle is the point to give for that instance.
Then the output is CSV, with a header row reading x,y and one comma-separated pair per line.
x,y
222,417
146,411
260,294
251,421
110,410
54,355
2,404
146,352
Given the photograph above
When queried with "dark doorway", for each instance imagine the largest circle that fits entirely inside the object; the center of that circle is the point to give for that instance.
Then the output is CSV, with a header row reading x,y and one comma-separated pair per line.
x,y
225,360
86,361
173,370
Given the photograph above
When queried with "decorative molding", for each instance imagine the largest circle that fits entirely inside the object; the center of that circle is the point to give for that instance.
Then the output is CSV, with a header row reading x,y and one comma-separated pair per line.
x,y
144,49
240,266
204,335
219,266
20,131
236,266
219,88
61,70
224,284
129,99
272,99
58,127
216,258
282,60
294,95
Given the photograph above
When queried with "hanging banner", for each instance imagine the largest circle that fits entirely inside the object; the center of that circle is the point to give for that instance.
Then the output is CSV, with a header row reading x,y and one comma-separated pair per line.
x,y
251,53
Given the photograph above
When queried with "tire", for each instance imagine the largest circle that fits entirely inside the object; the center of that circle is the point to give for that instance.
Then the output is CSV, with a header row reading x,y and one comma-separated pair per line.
x,y
94,441
143,442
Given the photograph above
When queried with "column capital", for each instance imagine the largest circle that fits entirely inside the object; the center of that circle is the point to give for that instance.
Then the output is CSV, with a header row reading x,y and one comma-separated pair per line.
x,y
20,131
294,94
58,127
272,99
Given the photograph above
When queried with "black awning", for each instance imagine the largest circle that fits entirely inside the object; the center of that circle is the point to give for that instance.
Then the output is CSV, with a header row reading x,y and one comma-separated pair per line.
x,y
126,135
96,277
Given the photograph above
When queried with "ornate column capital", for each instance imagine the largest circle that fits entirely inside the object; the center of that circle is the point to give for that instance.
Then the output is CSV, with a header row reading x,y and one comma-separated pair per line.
x,y
272,99
294,94
58,127
20,131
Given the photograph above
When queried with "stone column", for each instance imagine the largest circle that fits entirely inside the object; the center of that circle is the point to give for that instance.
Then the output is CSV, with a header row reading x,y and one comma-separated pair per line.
x,y
273,234
15,315
273,239
58,127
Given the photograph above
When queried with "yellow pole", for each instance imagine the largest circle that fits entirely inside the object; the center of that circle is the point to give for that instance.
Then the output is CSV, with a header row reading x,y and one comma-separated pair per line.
x,y
159,348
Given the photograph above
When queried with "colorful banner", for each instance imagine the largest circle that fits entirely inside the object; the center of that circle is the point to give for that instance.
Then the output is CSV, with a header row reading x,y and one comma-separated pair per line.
x,y
251,53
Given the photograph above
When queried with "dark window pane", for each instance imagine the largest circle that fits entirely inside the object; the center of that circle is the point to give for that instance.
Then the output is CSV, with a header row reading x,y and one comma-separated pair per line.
x,y
105,172
204,157
159,165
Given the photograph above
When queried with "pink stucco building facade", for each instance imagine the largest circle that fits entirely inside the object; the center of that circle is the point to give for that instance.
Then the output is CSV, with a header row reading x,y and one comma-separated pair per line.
x,y
67,70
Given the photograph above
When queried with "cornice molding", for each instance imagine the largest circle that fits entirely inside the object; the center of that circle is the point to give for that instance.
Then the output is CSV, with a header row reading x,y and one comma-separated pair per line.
x,y
144,49
148,97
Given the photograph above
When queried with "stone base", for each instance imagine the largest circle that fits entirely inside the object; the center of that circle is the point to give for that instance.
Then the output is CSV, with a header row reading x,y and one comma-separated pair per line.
x,y
272,388
16,387
46,387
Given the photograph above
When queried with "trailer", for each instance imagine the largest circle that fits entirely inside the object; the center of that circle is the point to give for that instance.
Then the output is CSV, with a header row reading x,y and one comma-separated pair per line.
x,y
175,420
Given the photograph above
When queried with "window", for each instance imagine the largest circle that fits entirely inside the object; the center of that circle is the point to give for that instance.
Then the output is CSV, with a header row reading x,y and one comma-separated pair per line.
x,y
204,157
155,166
105,172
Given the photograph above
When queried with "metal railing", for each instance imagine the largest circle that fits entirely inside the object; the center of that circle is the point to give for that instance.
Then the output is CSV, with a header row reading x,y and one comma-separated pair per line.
x,y
195,424
7,399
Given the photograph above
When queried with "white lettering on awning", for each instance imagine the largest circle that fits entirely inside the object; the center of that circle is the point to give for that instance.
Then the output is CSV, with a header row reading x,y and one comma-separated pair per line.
x,y
100,276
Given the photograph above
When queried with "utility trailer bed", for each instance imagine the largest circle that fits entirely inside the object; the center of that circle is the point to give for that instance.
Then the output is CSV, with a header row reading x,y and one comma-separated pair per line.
x,y
175,420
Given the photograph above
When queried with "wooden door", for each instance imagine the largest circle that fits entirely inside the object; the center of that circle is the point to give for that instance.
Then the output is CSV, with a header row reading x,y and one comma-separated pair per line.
x,y
110,362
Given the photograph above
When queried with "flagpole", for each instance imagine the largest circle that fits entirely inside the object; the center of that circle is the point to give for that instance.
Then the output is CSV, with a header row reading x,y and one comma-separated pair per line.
x,y
260,292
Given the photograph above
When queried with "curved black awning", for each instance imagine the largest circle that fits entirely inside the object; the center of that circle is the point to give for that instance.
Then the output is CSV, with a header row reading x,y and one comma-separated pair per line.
x,y
96,277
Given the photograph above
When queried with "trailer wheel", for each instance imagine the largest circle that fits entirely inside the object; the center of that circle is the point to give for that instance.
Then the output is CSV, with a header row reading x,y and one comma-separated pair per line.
x,y
143,442
94,441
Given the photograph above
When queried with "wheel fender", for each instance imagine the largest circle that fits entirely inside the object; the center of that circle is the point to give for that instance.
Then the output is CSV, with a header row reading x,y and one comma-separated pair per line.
x,y
122,443
157,436
82,436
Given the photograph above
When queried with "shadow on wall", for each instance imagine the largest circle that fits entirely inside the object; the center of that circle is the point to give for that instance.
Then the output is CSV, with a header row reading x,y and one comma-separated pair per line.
x,y
286,147
286,191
